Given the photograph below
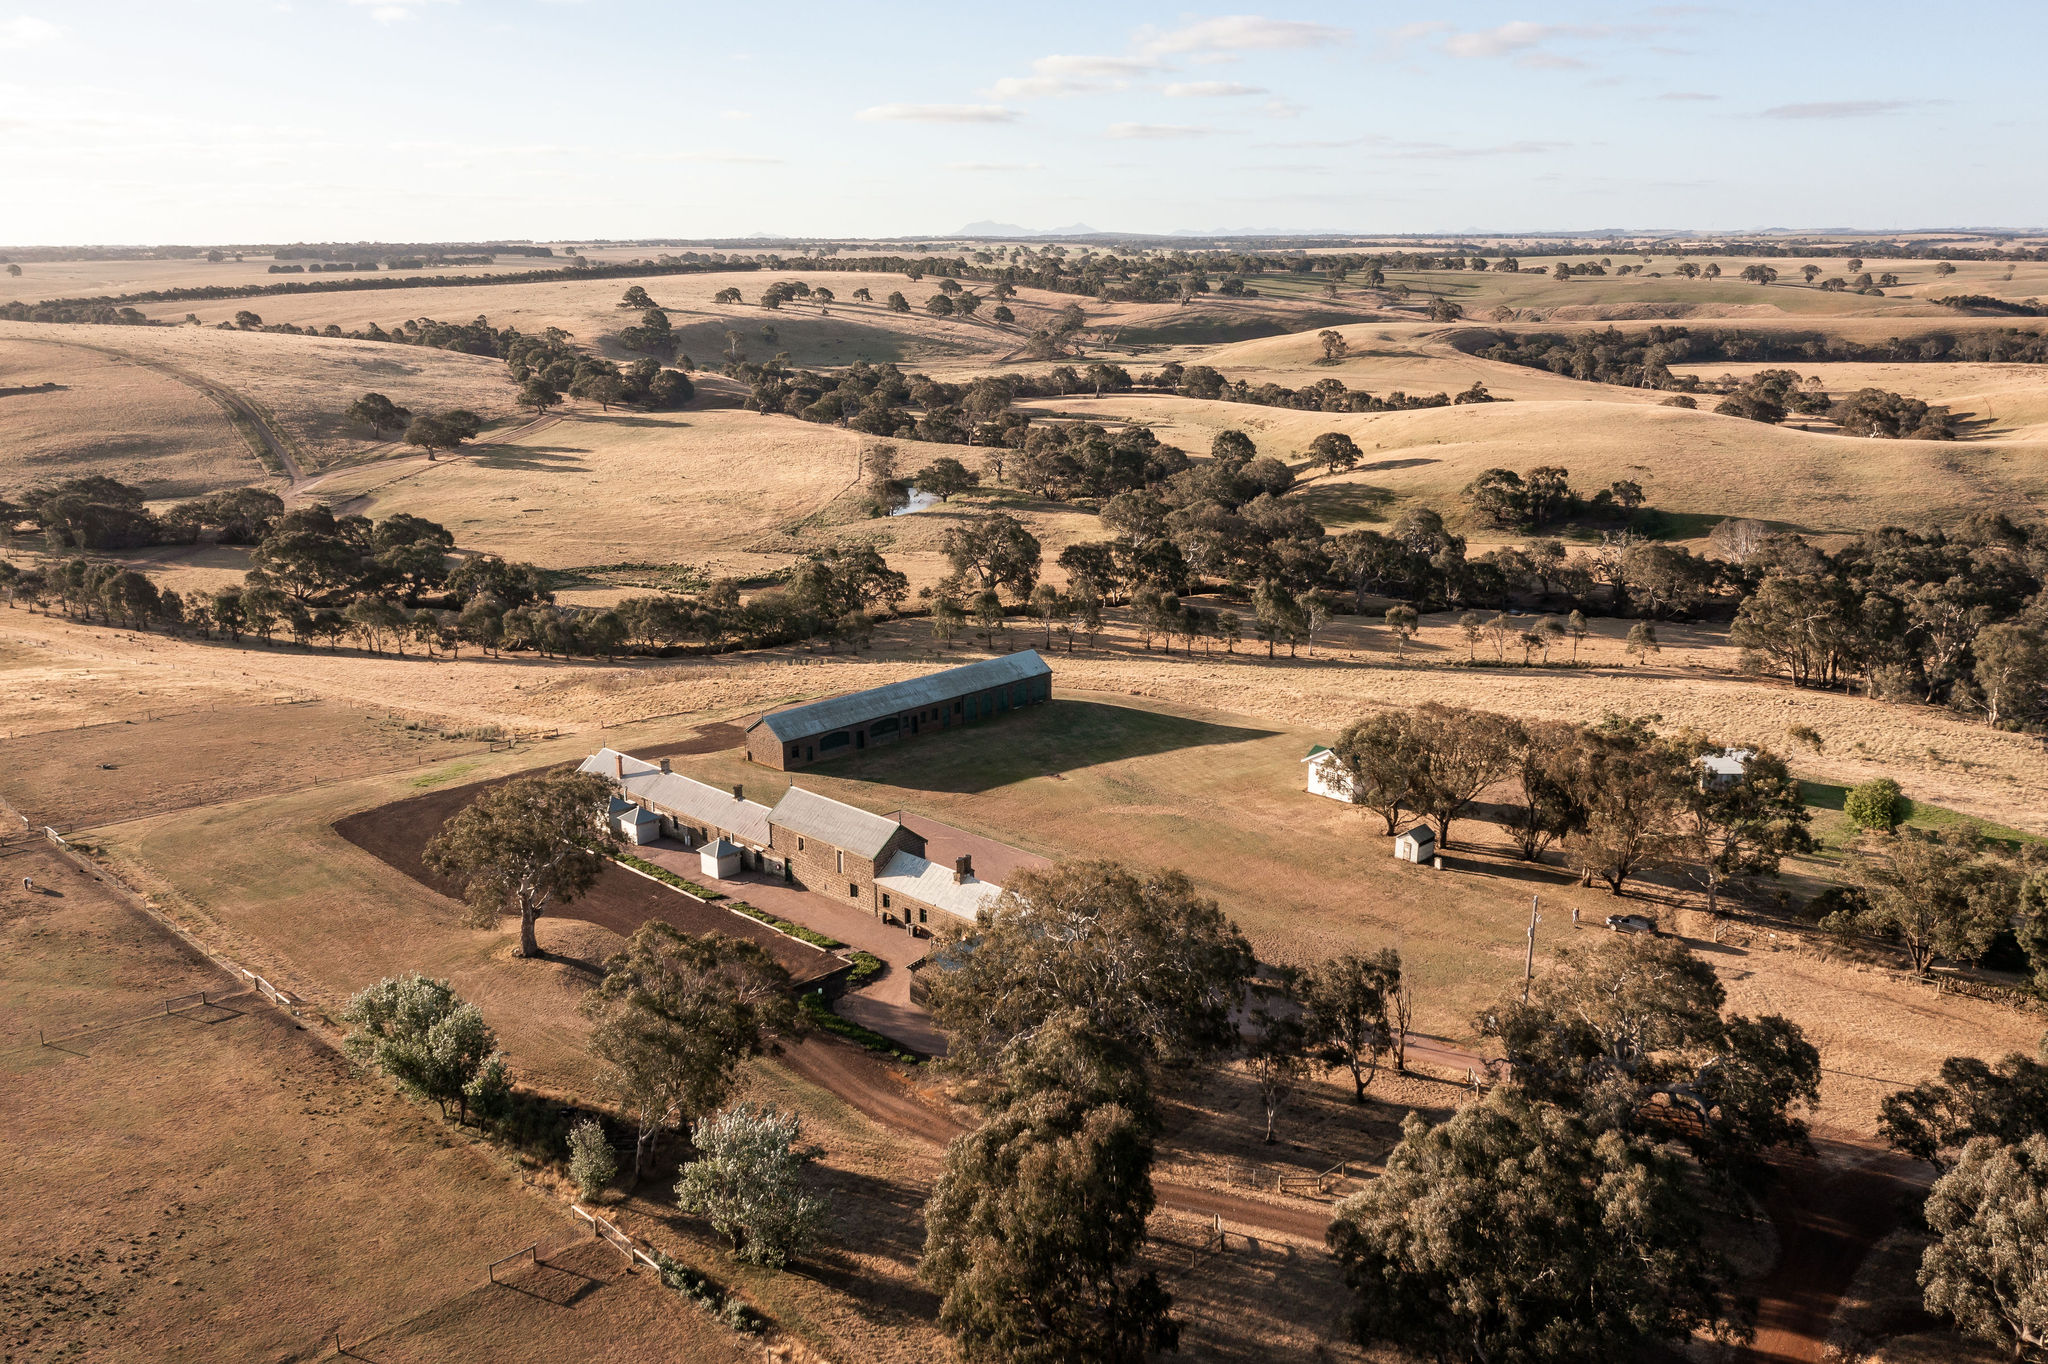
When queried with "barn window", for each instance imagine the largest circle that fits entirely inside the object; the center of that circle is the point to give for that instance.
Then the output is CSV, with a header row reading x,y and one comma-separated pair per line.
x,y
831,741
792,750
885,901
888,726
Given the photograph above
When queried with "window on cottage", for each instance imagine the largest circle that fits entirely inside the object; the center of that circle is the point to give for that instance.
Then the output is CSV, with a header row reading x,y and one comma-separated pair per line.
x,y
842,861
853,890
799,844
885,902
922,917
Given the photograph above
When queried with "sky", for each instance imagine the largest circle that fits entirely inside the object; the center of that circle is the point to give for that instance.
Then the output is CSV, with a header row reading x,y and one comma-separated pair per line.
x,y
221,121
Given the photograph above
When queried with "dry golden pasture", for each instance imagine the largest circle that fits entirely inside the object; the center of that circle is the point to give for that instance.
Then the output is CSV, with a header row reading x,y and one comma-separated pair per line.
x,y
1936,756
231,1188
1694,465
1597,297
123,418
105,278
589,310
110,416
728,492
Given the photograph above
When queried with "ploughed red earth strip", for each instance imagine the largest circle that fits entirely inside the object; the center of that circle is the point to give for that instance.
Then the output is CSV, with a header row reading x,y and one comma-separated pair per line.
x,y
397,834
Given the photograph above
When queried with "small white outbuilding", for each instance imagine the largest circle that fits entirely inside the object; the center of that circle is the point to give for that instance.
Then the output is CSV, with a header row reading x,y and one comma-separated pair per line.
x,y
1416,845
720,859
634,823
1326,776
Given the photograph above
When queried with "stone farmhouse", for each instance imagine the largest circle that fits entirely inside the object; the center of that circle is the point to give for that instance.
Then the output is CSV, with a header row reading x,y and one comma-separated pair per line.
x,y
937,702
825,846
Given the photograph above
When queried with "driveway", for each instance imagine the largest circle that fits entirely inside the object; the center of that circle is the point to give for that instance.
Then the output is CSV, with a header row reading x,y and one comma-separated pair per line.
x,y
884,1003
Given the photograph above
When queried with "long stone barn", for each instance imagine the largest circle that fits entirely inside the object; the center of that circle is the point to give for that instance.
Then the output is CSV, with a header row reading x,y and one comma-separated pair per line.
x,y
854,856
935,703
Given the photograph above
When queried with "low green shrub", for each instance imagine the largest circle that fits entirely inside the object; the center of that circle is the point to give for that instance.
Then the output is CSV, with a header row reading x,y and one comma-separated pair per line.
x,y
866,966
667,877
820,1016
795,930
709,1295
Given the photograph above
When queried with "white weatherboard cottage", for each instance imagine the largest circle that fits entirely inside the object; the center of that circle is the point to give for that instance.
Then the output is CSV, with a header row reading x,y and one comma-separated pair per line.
x,y
1326,775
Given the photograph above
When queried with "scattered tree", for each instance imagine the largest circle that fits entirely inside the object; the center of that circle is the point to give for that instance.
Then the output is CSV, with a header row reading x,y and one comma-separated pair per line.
x,y
421,1034
747,1182
524,846
676,1014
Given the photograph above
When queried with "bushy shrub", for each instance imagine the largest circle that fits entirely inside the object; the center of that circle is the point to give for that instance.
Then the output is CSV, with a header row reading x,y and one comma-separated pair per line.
x,y
592,1162
1877,804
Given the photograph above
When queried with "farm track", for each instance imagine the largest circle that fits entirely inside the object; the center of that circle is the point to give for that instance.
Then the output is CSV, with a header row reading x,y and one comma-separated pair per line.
x,y
270,445
864,1083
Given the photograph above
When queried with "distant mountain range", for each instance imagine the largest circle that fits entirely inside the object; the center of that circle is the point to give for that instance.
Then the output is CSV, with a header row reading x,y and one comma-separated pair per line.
x,y
992,229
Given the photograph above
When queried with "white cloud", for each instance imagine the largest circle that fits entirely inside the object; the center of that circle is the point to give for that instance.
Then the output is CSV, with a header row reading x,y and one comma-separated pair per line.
x,y
994,166
1212,89
1845,108
1155,130
26,31
396,11
1241,33
1065,74
1519,36
1686,97
1278,107
938,113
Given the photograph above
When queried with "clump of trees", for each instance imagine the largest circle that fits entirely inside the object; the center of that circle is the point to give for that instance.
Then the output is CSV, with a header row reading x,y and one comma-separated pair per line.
x,y
747,1182
1566,1215
1544,497
1981,1126
1615,799
1061,1002
1938,616
675,1016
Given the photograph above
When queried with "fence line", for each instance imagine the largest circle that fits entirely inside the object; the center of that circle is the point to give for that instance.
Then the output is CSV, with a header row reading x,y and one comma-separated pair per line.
x,y
605,1230
492,1268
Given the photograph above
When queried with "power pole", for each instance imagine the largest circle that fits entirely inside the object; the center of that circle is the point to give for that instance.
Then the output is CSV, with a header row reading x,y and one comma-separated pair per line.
x,y
1529,962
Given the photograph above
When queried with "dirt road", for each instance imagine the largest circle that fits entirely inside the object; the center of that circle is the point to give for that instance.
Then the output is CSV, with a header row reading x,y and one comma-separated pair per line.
x,y
1829,1209
876,1091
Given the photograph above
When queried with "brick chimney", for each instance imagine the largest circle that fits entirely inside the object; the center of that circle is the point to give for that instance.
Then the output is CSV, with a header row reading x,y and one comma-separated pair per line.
x,y
619,767
739,793
963,869
665,768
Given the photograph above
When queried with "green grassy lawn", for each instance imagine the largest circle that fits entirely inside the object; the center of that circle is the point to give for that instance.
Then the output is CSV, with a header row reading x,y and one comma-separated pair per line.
x,y
1833,833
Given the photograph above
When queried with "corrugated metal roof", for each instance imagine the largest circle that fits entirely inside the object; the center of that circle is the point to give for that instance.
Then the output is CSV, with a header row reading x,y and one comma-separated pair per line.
x,y
1316,752
830,821
840,711
929,883
676,794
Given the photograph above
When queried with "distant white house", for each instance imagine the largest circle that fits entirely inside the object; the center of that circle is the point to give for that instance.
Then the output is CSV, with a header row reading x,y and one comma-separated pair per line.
x,y
1417,845
1326,776
1725,768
